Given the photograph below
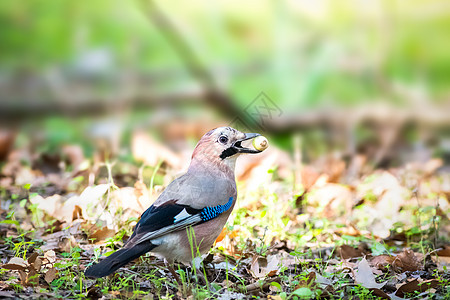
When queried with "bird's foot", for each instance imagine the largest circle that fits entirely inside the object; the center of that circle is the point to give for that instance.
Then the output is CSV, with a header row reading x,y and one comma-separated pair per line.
x,y
173,272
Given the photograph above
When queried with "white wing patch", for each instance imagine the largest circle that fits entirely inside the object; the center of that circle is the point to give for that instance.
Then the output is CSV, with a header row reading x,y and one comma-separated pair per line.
x,y
182,215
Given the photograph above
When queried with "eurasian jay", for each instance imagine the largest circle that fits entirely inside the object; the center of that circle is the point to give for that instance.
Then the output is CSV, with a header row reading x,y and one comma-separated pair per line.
x,y
201,199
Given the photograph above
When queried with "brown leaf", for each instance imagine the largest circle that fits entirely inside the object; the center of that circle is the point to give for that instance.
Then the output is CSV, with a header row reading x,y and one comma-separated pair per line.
x,y
23,277
309,177
348,230
101,235
140,189
382,261
28,276
7,137
94,293
32,277
334,168
16,263
432,165
50,245
390,196
32,258
74,154
231,233
379,293
407,261
50,256
50,275
308,281
255,265
53,241
55,226
346,252
261,267
336,199
222,235
253,170
365,277
77,213
37,264
444,252
415,285
66,244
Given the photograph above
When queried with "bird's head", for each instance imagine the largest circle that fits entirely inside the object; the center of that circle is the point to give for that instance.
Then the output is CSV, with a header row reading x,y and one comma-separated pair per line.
x,y
222,146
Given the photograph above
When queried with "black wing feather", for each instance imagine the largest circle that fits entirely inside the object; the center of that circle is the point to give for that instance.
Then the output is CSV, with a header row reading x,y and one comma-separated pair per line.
x,y
158,217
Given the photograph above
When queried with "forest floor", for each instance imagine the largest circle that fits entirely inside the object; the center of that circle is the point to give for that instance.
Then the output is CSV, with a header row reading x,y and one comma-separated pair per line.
x,y
322,231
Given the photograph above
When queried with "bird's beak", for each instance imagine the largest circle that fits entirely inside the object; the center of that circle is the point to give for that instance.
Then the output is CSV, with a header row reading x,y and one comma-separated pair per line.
x,y
238,147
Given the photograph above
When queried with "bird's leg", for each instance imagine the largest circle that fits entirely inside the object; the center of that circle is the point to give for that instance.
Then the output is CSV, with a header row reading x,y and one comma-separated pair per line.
x,y
200,271
172,271
201,278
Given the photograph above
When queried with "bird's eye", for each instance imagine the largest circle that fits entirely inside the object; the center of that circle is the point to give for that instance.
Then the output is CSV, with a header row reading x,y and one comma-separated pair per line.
x,y
223,139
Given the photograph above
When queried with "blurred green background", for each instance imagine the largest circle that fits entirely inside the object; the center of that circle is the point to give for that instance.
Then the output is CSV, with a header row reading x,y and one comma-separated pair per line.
x,y
329,67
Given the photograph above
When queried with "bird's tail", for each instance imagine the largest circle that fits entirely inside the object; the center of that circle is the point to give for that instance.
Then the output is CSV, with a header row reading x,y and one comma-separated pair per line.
x,y
117,260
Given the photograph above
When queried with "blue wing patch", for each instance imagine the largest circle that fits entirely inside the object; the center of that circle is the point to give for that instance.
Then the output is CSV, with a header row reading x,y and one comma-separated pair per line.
x,y
169,217
209,213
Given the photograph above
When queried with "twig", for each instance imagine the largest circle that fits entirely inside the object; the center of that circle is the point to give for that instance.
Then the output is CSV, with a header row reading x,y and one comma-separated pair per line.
x,y
257,285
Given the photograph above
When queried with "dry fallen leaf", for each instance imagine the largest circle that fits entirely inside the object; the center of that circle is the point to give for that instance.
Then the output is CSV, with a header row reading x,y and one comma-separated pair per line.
x,y
382,261
416,285
32,258
101,235
346,252
334,168
94,292
380,294
16,263
74,154
365,277
254,169
444,252
36,265
28,273
50,256
50,275
231,233
407,261
308,281
261,267
61,240
350,229
309,177
67,210
222,235
23,277
66,244
336,199
32,277
390,195
77,213
140,189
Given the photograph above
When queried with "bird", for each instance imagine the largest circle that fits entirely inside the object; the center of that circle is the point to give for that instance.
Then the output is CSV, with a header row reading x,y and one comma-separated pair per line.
x,y
192,210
